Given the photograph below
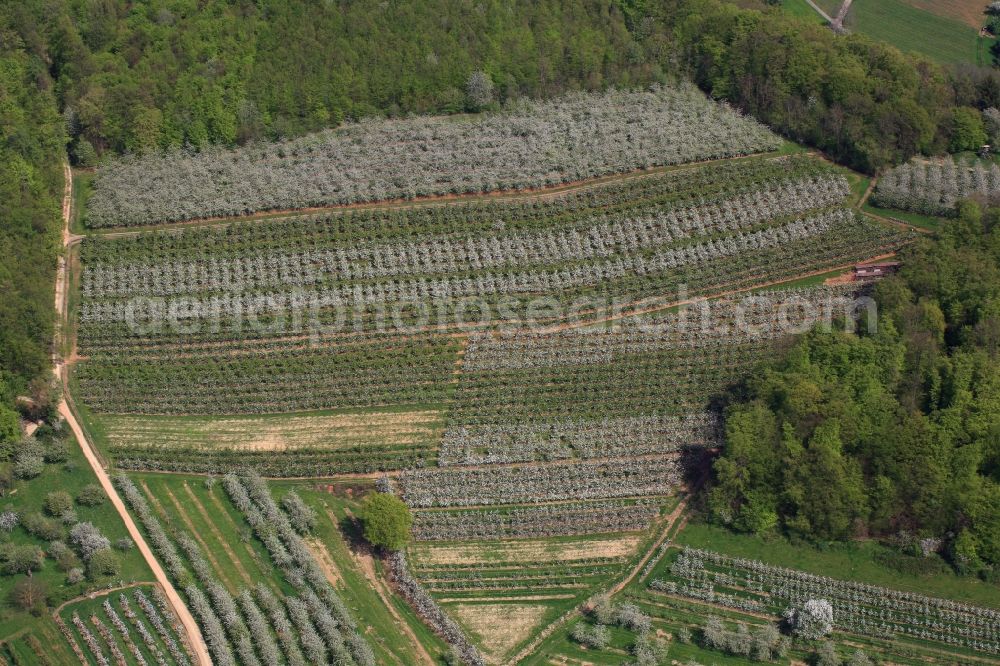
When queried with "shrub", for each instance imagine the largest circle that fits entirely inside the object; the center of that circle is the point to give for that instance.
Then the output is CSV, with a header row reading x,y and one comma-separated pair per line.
x,y
74,576
649,651
826,655
91,495
479,90
768,643
812,620
859,658
83,152
28,594
65,558
58,503
740,642
594,636
386,521
8,521
604,611
88,540
46,529
20,558
103,563
28,465
56,451
632,618
968,132
124,544
714,634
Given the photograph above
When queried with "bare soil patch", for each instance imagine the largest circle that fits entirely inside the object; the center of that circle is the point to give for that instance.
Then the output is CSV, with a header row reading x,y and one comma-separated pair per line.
x,y
525,551
499,627
328,431
326,563
969,12
530,597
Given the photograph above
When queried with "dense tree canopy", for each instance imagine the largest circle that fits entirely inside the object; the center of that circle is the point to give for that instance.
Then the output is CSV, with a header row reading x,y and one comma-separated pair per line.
x,y
386,521
890,431
32,151
137,76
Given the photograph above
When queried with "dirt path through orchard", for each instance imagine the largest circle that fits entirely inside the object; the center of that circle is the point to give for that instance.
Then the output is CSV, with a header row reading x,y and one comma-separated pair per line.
x,y
665,531
193,638
838,22
366,564
210,521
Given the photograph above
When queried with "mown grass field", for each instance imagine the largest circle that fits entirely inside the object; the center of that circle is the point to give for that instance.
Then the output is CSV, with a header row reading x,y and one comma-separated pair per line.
x,y
969,12
942,39
802,10
204,512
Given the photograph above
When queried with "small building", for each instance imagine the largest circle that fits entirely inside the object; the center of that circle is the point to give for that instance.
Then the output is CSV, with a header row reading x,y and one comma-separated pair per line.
x,y
863,272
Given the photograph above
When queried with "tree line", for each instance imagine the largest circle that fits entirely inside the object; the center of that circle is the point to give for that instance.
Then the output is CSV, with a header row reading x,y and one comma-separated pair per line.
x,y
137,77
32,153
891,433
861,101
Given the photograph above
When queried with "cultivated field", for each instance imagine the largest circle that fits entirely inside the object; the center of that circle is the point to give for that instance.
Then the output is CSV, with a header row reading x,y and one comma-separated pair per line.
x,y
890,615
423,279
317,443
531,583
755,587
530,144
935,187
256,588
134,625
911,29
516,363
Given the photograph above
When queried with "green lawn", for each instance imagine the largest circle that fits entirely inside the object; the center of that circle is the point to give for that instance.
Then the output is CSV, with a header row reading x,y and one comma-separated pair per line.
x,y
29,496
914,30
82,182
187,503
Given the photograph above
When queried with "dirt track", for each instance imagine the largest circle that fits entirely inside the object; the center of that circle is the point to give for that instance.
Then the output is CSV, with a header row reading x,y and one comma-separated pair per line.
x,y
194,638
